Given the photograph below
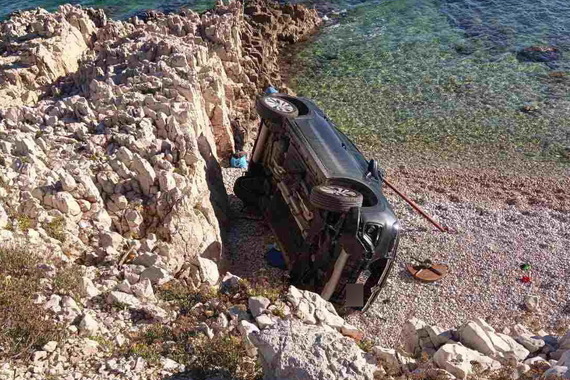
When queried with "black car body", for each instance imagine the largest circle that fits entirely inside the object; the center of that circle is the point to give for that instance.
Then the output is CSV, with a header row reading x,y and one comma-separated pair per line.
x,y
323,200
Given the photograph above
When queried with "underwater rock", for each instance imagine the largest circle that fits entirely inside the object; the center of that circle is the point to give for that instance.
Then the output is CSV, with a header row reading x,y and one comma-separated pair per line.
x,y
539,53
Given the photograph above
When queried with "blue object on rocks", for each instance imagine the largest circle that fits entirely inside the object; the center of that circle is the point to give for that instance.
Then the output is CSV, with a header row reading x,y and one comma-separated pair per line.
x,y
271,90
239,162
275,258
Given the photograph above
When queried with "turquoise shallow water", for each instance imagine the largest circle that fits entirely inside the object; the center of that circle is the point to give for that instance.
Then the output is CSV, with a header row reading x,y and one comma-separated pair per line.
x,y
447,74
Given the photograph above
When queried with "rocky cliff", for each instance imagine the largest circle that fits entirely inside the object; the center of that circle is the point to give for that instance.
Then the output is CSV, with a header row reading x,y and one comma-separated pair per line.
x,y
111,138
113,130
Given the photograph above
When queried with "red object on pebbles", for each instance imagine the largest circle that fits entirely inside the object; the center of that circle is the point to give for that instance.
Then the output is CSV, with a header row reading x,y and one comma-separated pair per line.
x,y
526,279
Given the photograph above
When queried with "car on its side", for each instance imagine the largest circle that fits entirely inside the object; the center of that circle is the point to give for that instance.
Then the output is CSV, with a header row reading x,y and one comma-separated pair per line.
x,y
324,201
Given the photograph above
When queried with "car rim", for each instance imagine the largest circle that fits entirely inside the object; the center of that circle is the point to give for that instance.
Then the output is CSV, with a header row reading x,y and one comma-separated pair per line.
x,y
279,104
339,191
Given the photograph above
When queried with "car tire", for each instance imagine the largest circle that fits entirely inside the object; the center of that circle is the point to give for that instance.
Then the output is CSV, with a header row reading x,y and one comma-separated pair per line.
x,y
275,108
335,198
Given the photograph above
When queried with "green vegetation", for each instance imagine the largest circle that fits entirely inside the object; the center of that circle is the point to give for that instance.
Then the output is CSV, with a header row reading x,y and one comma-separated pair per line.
x,y
398,74
55,228
183,341
24,222
24,325
365,345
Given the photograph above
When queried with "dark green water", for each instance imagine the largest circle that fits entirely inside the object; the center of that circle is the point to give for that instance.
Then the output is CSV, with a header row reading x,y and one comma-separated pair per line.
x,y
445,75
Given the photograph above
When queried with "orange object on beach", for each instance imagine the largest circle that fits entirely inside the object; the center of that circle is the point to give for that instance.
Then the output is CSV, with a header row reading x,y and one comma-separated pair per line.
x,y
428,273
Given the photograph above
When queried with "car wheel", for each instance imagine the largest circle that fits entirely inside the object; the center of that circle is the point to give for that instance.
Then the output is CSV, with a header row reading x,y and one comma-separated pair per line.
x,y
274,108
335,198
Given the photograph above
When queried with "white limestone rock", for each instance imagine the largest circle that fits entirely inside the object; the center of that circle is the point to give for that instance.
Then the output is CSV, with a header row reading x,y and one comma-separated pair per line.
x,y
89,325
157,276
208,271
87,287
479,336
457,360
291,349
121,298
258,305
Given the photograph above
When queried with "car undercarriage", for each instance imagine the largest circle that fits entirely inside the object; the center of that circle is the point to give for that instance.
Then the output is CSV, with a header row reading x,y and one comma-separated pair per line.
x,y
323,200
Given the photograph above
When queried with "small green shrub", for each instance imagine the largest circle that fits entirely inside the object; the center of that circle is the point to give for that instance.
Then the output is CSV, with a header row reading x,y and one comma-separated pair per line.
x,y
365,345
183,296
55,228
262,287
223,356
24,222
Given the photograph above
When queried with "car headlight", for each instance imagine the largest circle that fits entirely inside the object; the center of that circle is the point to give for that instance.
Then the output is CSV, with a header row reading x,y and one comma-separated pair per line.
x,y
372,232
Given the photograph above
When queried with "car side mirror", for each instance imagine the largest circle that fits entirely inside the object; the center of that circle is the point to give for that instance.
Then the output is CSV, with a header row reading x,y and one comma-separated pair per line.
x,y
373,169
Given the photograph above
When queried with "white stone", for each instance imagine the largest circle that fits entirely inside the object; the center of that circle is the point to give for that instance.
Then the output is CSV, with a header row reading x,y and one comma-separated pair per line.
x,y
536,360
208,271
121,298
53,304
3,217
157,276
169,364
564,360
457,360
311,308
110,239
264,321
293,350
145,173
532,302
88,325
39,355
410,335
143,290
87,287
64,202
67,181
556,373
257,305
146,259
246,329
388,359
50,346
479,336
124,286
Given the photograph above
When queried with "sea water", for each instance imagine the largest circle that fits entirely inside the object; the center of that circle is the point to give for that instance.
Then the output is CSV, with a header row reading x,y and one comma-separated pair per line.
x,y
447,74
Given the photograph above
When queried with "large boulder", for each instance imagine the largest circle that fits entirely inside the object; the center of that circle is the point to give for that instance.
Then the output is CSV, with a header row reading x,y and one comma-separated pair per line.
x,y
480,336
293,350
312,309
458,360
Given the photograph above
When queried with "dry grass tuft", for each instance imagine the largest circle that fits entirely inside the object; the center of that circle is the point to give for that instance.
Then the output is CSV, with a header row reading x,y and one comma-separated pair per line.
x,y
24,325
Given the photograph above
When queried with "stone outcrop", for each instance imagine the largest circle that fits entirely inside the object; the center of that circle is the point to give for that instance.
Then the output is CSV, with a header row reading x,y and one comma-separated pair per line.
x,y
111,131
291,349
111,134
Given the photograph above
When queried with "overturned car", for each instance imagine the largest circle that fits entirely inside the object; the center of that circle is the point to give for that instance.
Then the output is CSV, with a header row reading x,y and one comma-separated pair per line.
x,y
323,200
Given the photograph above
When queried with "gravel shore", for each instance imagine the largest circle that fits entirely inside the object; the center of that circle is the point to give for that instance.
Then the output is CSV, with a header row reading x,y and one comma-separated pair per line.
x,y
500,221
